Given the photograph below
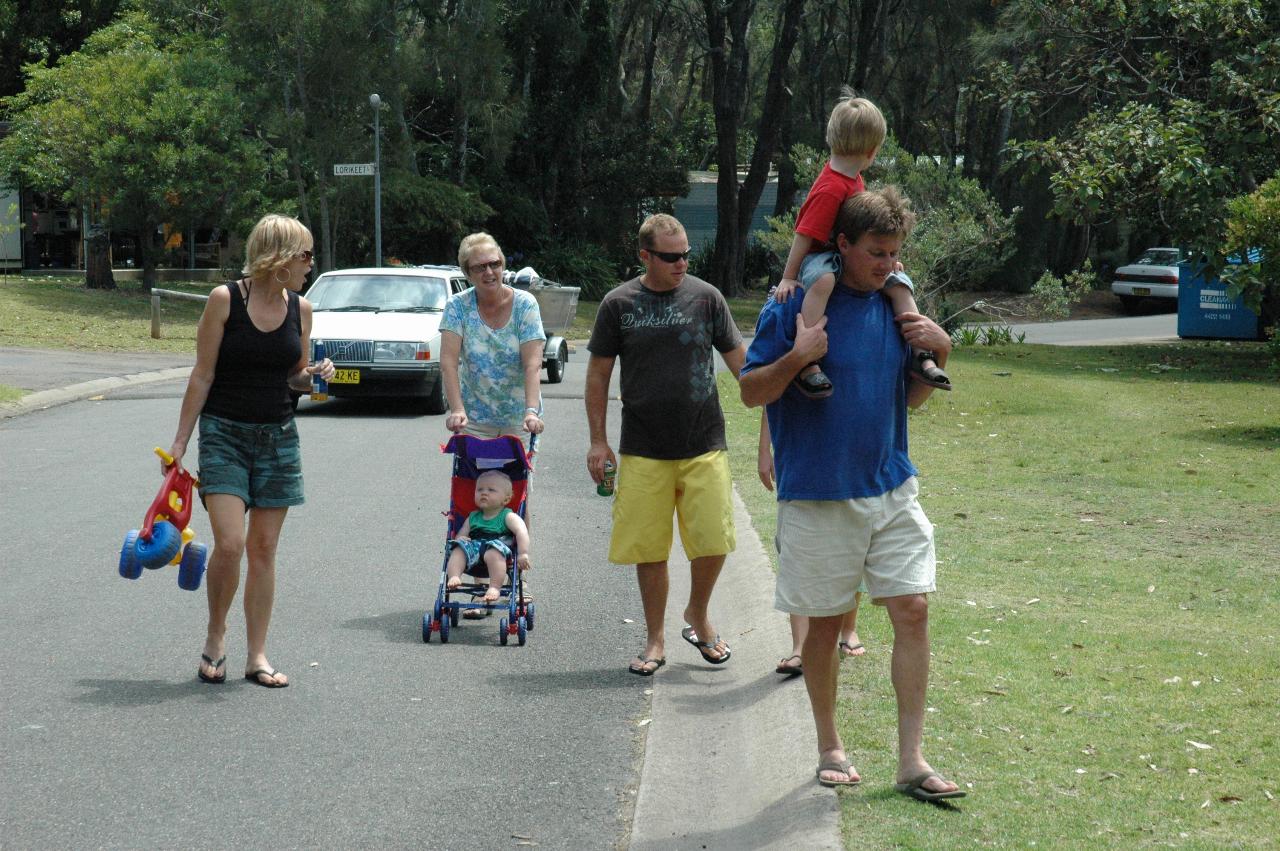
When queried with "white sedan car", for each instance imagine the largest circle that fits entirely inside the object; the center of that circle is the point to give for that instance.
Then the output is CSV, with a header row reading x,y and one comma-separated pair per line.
x,y
1153,275
381,329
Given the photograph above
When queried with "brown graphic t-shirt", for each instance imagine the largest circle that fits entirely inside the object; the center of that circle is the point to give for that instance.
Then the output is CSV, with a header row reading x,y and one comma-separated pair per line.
x,y
670,407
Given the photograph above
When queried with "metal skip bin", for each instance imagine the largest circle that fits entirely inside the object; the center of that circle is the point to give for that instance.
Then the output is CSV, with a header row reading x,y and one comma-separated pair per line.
x,y
1206,309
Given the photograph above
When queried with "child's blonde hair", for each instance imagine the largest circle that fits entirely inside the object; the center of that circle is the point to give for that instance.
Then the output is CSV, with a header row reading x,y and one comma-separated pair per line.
x,y
497,474
855,127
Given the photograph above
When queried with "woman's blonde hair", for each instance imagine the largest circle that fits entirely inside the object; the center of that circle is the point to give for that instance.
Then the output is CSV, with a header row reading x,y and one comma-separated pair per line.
x,y
274,241
471,242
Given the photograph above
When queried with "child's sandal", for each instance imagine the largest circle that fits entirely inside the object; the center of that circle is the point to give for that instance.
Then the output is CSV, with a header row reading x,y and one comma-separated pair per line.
x,y
934,376
815,385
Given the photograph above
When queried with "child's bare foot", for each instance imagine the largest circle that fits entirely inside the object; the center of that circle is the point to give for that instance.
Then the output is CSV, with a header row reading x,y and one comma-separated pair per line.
x,y
492,594
454,582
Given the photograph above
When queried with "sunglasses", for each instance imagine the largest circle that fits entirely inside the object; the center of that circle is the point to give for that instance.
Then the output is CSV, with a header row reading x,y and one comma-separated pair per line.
x,y
670,256
492,266
305,255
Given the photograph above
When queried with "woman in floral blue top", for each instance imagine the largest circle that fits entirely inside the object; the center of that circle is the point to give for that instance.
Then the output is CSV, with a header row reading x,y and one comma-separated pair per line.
x,y
491,349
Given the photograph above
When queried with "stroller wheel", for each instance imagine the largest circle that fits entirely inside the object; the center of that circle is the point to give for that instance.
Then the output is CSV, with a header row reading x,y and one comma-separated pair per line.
x,y
528,616
444,629
502,632
453,613
426,628
520,631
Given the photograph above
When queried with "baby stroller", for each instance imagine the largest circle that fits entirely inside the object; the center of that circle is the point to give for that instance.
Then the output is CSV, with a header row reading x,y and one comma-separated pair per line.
x,y
471,457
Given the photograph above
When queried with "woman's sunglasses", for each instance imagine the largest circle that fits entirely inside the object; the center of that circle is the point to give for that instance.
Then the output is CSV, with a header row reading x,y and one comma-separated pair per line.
x,y
671,256
492,266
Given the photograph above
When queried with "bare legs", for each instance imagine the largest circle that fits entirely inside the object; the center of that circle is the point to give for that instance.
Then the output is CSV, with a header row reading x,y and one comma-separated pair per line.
x,y
230,544
849,643
821,667
909,671
654,584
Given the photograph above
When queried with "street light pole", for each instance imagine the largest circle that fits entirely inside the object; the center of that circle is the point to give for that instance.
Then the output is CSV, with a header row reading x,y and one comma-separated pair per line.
x,y
376,103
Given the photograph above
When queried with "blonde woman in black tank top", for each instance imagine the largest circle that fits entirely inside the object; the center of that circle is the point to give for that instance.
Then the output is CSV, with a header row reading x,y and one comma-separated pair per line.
x,y
252,348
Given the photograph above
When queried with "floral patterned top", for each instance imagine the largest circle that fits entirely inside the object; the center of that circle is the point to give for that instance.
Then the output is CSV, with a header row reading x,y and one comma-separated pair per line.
x,y
489,372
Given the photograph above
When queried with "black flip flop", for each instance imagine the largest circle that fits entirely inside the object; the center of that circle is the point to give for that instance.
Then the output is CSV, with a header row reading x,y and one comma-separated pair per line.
x,y
642,671
690,636
914,788
205,678
252,676
789,670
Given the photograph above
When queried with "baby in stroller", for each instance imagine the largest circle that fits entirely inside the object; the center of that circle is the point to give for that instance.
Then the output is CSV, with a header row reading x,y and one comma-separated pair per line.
x,y
487,537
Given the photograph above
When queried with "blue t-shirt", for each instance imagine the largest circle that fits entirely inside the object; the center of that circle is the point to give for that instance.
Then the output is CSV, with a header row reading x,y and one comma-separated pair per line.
x,y
852,444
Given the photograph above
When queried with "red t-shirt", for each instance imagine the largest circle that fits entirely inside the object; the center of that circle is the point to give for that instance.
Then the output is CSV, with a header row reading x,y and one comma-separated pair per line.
x,y
817,217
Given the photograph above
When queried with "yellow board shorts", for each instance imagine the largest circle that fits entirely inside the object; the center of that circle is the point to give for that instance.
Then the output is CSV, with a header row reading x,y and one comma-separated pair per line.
x,y
700,492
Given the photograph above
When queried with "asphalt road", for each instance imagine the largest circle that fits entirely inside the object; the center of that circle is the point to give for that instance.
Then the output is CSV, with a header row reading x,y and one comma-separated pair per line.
x,y
380,740
1160,328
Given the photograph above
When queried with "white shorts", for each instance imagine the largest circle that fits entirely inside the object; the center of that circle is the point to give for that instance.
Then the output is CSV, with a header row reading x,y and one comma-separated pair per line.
x,y
826,548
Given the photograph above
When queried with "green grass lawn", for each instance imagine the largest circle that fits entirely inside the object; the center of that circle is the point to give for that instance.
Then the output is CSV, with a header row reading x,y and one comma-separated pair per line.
x,y
60,313
1105,631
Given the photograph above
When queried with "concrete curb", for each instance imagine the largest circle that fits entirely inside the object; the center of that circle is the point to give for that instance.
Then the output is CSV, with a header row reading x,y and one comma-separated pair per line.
x,y
729,759
44,399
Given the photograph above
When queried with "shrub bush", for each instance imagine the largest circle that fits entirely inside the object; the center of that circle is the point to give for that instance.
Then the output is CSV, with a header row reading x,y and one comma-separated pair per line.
x,y
577,264
961,239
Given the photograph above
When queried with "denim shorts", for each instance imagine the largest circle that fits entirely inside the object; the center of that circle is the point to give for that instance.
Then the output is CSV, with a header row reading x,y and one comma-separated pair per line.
x,y
475,550
261,463
820,263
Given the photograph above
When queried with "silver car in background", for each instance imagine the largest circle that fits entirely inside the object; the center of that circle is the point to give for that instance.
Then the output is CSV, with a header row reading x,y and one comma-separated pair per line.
x,y
1154,275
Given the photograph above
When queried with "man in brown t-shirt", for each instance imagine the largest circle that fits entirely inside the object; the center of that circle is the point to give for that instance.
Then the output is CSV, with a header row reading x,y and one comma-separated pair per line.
x,y
664,325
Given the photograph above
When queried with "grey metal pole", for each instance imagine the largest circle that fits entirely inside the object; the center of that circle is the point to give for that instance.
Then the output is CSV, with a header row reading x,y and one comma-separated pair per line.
x,y
376,103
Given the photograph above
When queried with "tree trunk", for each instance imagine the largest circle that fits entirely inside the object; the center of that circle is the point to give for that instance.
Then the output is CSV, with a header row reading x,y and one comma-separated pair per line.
x,y
147,243
730,60
727,36
97,261
461,130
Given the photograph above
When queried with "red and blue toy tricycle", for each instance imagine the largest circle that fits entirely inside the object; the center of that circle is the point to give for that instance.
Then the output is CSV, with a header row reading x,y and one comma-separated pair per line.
x,y
166,536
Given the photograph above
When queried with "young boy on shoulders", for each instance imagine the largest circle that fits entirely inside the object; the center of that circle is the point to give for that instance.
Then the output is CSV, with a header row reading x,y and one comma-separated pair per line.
x,y
855,132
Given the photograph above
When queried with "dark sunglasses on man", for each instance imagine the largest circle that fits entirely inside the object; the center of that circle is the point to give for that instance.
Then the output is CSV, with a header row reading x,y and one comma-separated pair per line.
x,y
671,256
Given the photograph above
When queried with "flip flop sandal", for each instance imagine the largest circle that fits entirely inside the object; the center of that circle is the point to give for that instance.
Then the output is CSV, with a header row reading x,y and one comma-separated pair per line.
x,y
789,670
849,648
934,376
644,671
844,767
205,678
690,636
253,677
815,385
914,788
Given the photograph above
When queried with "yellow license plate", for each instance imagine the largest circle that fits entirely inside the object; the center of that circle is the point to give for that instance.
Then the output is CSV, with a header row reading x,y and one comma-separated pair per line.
x,y
1142,290
345,376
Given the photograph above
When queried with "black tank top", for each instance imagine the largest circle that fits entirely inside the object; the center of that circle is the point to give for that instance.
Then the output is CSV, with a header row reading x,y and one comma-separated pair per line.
x,y
251,379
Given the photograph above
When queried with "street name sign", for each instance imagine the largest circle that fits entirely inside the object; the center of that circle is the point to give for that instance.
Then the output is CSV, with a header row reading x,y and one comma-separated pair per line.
x,y
353,169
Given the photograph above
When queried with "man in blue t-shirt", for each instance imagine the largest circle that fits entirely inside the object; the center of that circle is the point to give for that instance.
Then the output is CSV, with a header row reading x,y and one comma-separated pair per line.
x,y
847,492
